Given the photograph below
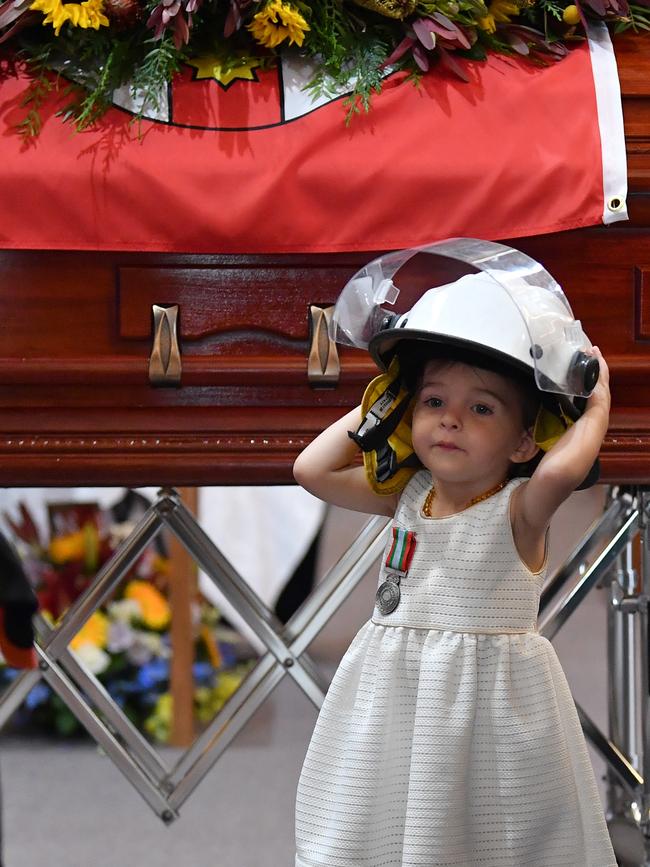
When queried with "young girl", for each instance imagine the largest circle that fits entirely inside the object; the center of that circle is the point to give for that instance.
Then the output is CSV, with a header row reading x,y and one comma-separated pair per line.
x,y
449,735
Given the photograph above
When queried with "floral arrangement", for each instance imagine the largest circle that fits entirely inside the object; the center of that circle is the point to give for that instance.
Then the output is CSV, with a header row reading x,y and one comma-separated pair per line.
x,y
126,643
101,45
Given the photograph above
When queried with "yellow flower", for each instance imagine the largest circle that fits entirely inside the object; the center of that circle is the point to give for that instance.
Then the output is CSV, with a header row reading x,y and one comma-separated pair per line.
x,y
72,546
91,546
571,15
86,14
160,565
155,610
487,23
501,10
94,632
228,684
159,724
276,22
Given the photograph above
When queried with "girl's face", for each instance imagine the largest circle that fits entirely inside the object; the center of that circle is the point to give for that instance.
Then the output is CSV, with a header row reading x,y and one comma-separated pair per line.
x,y
467,424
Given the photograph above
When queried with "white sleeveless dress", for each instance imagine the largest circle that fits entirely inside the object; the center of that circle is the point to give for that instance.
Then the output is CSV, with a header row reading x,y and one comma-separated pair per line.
x,y
449,737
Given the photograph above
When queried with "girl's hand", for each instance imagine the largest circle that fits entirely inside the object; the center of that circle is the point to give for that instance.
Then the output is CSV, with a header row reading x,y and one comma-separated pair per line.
x,y
600,398
328,469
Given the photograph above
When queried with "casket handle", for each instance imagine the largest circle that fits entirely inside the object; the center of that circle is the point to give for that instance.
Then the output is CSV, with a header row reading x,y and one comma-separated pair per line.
x,y
323,366
165,365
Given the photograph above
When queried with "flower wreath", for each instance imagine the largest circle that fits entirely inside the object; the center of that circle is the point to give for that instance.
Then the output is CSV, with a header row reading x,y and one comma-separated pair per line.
x,y
103,44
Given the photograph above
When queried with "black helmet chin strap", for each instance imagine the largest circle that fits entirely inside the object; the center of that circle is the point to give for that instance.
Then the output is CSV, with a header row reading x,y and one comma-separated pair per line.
x,y
387,465
379,423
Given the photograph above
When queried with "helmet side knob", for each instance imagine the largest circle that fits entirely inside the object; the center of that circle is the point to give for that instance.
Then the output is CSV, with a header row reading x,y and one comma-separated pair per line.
x,y
388,321
584,371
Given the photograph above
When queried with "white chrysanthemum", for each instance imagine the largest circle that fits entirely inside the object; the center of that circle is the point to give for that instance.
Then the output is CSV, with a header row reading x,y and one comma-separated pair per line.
x,y
125,610
120,636
153,642
93,658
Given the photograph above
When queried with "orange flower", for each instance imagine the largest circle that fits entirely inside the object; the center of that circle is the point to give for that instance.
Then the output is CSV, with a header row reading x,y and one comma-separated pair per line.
x,y
155,610
81,545
72,546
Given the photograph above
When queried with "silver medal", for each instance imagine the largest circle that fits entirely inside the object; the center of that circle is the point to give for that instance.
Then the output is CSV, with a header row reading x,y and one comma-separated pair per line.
x,y
388,596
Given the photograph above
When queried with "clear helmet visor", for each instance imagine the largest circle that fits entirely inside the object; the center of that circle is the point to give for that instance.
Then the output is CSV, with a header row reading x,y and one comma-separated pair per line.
x,y
512,307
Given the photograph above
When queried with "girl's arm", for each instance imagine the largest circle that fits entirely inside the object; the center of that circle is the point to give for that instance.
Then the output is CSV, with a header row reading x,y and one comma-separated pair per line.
x,y
325,469
568,462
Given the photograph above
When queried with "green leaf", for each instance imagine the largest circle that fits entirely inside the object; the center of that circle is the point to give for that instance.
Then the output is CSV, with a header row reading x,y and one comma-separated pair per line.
x,y
65,722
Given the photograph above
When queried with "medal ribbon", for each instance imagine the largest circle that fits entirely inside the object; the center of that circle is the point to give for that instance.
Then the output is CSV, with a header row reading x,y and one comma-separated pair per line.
x,y
402,550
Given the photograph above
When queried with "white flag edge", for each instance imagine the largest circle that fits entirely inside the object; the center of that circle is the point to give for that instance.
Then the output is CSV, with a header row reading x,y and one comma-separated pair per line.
x,y
610,123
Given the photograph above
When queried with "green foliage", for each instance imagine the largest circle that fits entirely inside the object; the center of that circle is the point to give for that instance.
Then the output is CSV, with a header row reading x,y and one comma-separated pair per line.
x,y
147,65
65,723
639,19
332,34
151,76
36,95
95,63
351,44
552,8
367,76
90,103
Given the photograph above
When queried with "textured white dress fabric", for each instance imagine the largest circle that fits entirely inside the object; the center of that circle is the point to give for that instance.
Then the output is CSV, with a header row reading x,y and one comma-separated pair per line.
x,y
449,736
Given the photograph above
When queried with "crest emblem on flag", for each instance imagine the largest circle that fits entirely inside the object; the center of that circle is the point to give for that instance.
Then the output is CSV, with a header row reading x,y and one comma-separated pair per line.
x,y
207,96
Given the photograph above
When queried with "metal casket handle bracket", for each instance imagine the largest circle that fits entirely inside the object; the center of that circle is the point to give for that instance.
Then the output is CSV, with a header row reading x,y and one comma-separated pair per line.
x,y
165,365
323,365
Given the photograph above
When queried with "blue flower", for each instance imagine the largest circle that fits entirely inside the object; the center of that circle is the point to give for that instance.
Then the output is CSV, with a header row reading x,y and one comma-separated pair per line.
x,y
122,687
149,699
38,694
203,672
116,694
228,654
153,672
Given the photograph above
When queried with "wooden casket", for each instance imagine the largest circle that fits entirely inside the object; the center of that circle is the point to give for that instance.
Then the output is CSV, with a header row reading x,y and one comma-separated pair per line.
x,y
82,404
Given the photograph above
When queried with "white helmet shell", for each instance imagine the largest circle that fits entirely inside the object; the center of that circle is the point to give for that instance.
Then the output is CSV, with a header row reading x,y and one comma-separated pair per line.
x,y
511,309
478,296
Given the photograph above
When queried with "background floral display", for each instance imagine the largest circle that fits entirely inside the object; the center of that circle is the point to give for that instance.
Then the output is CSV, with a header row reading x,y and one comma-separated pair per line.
x,y
101,45
125,643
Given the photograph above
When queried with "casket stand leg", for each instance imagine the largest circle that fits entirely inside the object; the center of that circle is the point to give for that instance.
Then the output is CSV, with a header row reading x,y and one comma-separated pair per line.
x,y
629,693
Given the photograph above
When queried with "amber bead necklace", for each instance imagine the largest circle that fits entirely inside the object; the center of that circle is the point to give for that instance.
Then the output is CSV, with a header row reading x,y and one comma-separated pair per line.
x,y
426,508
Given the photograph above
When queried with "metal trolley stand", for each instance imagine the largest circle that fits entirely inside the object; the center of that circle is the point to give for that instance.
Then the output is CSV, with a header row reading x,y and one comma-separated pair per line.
x,y
165,788
604,557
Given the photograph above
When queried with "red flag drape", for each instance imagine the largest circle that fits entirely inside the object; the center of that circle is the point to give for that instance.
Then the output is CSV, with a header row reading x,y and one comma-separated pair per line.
x,y
515,152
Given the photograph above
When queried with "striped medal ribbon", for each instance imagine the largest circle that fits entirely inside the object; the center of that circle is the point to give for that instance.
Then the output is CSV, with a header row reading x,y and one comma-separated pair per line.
x,y
398,560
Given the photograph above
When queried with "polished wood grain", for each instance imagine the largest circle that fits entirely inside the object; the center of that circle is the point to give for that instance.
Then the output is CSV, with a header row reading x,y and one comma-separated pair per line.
x,y
76,406
182,594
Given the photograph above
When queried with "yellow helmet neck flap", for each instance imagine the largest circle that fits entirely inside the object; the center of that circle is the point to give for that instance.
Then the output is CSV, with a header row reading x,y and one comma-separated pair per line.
x,y
384,435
